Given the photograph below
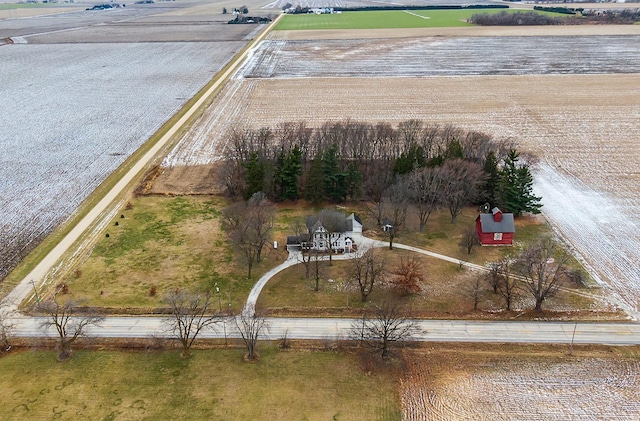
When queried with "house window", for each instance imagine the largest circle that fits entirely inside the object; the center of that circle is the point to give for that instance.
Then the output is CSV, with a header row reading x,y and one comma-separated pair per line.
x,y
497,236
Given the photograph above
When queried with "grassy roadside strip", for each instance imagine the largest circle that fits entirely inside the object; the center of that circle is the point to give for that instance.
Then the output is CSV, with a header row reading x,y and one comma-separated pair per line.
x,y
48,244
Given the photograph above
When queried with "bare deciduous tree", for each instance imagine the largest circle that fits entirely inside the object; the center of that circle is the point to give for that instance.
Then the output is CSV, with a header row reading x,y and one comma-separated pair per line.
x,y
508,285
68,323
6,331
377,180
463,181
474,290
249,225
425,192
317,266
366,269
395,211
543,265
191,313
469,239
386,324
493,276
408,277
250,325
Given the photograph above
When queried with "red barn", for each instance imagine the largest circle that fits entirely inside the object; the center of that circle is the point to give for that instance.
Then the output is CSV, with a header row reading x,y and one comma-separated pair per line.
x,y
495,228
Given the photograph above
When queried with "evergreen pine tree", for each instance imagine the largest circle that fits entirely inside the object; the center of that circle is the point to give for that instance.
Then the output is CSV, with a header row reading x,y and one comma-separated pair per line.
x,y
516,186
335,185
410,160
454,150
291,170
314,185
254,177
490,189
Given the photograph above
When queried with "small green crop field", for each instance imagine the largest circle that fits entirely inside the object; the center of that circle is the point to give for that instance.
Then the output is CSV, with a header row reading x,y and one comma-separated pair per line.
x,y
211,385
384,19
8,6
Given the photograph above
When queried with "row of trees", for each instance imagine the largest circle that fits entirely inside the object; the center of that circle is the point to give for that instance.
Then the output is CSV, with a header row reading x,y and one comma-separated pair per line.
x,y
422,166
191,314
624,16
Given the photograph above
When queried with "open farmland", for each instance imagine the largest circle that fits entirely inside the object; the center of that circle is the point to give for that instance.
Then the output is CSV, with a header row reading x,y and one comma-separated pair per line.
x,y
77,104
489,386
576,108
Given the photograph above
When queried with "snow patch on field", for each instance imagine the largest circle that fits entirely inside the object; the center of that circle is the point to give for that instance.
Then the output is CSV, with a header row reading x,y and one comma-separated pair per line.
x,y
600,230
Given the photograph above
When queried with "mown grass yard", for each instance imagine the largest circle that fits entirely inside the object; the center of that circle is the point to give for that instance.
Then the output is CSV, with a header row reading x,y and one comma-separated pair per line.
x,y
212,385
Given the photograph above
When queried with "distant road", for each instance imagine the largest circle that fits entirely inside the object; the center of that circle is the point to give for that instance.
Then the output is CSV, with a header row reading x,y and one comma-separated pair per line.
x,y
335,328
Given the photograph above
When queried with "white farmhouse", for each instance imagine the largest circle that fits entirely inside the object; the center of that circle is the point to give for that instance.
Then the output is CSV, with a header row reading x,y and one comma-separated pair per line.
x,y
328,232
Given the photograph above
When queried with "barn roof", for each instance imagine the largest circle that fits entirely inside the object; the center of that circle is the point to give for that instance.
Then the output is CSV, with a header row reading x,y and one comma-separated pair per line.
x,y
488,224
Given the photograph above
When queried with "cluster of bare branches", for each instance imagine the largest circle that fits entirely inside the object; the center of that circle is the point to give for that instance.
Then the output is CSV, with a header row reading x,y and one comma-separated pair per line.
x,y
384,325
539,271
191,313
543,266
68,322
251,326
367,269
249,225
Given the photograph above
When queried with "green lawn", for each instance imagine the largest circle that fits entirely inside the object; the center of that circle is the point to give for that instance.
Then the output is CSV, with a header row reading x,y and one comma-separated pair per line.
x,y
212,385
384,19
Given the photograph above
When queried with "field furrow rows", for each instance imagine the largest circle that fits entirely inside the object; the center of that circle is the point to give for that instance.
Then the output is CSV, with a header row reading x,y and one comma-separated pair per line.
x,y
437,56
589,389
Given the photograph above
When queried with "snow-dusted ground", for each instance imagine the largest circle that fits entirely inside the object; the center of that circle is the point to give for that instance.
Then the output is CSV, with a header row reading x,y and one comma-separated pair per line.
x,y
584,389
438,56
72,113
601,230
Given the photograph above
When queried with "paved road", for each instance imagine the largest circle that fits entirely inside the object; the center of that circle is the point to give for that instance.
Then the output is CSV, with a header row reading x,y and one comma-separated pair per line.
x,y
335,328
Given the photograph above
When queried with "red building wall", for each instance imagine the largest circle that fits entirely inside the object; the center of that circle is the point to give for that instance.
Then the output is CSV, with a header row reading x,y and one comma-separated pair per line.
x,y
489,238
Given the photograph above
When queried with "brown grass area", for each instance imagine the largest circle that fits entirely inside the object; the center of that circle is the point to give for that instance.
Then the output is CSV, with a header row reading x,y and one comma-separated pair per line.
x,y
190,180
167,243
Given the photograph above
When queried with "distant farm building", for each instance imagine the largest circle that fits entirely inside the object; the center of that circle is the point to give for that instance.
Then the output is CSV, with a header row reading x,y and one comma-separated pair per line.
x,y
495,228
